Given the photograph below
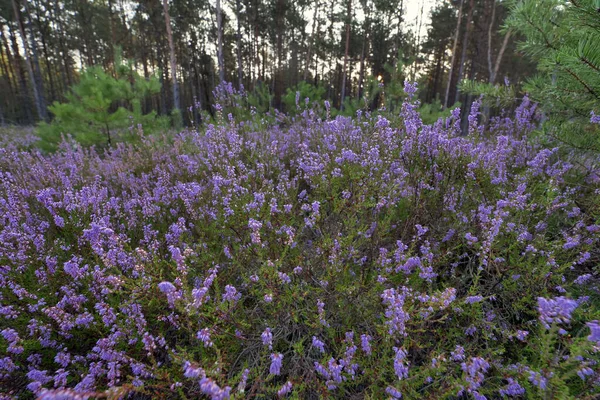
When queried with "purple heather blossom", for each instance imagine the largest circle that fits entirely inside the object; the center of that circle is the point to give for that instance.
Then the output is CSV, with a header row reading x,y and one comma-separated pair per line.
x,y
595,332
473,299
268,298
522,335
539,380
316,343
267,338
470,238
276,361
231,294
166,287
556,310
400,365
365,343
512,389
584,372
210,388
393,392
458,354
62,394
475,370
242,385
285,389
204,336
595,119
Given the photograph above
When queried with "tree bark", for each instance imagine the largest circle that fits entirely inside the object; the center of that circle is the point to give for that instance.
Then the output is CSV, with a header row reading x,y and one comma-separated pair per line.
x,y
348,22
24,93
311,41
465,46
172,54
454,48
39,102
499,58
363,53
239,42
220,43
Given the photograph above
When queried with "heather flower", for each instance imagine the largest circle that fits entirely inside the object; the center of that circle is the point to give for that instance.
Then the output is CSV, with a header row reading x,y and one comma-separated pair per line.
x,y
522,335
595,119
285,389
316,343
231,294
166,287
276,360
62,394
458,354
210,388
595,332
242,385
365,343
204,336
400,365
267,338
538,380
475,370
393,392
473,299
470,238
584,372
268,298
284,278
556,310
395,313
512,389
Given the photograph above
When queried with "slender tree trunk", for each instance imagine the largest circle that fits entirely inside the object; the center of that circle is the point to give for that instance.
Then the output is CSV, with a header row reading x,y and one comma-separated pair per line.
x,y
454,48
465,46
499,58
489,44
113,40
239,42
349,20
63,49
39,79
172,54
330,63
311,41
418,40
7,63
364,50
39,102
24,93
220,43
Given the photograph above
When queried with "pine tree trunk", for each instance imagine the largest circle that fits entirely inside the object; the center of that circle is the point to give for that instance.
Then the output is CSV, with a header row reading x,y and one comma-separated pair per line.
x,y
39,79
39,103
349,19
220,43
172,54
364,50
494,75
239,42
23,92
310,42
465,46
454,48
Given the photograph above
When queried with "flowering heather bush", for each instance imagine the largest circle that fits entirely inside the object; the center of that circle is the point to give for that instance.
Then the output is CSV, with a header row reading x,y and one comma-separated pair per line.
x,y
345,258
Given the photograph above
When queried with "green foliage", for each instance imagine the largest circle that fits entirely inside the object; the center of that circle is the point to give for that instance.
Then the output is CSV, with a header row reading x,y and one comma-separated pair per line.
x,y
302,91
501,96
431,112
564,38
100,105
